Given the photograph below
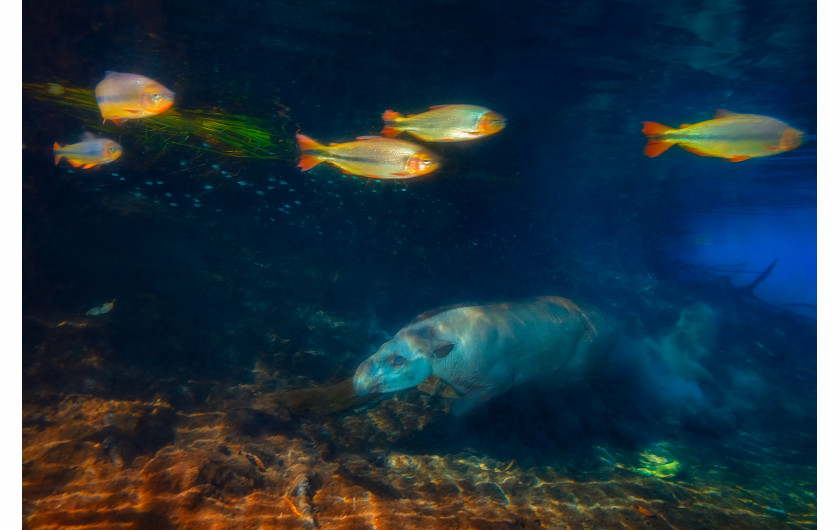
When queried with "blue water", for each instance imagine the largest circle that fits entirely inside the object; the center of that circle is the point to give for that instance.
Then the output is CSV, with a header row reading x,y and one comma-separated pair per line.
x,y
240,272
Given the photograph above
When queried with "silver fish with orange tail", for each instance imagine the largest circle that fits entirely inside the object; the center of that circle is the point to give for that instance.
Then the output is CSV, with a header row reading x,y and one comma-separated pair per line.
x,y
445,123
735,137
88,153
124,97
370,156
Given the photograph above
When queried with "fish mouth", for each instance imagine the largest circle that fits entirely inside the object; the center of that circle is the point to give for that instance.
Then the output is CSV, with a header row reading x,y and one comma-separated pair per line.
x,y
167,102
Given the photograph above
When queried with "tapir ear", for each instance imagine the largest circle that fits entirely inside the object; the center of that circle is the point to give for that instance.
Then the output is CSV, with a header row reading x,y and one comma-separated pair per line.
x,y
444,350
432,343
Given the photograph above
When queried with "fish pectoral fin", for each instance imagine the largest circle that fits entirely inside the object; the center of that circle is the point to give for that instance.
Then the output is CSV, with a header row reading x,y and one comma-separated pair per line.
x,y
739,158
133,111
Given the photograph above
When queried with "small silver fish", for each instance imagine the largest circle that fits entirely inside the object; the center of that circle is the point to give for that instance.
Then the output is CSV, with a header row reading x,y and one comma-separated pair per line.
x,y
88,153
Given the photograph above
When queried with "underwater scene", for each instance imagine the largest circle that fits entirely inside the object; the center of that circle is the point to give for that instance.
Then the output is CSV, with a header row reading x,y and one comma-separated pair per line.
x,y
419,265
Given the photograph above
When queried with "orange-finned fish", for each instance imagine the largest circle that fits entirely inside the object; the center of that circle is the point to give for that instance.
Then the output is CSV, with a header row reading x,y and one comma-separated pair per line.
x,y
370,156
732,136
445,123
90,152
644,511
124,97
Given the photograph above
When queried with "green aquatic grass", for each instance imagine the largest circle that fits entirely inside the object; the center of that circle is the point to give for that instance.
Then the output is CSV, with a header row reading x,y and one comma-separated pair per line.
x,y
205,130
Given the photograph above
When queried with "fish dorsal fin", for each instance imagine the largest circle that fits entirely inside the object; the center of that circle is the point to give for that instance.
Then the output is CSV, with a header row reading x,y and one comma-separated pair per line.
x,y
109,73
87,135
438,106
367,137
722,113
684,125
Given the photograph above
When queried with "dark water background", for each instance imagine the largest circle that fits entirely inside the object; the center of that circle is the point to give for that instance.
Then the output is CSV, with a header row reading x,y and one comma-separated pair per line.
x,y
560,202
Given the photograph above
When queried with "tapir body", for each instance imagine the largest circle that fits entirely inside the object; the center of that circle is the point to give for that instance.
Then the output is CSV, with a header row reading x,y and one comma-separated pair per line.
x,y
481,351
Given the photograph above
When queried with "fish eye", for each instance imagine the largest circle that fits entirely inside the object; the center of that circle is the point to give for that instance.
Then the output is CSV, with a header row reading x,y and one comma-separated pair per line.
x,y
398,360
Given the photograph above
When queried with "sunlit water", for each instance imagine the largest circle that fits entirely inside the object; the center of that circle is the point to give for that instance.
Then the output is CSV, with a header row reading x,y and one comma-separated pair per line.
x,y
235,279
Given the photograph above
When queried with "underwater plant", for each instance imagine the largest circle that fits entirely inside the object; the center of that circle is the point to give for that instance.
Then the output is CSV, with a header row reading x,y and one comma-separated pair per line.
x,y
206,130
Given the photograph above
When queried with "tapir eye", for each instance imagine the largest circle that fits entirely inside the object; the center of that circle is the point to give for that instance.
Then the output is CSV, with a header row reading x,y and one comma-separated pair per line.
x,y
398,360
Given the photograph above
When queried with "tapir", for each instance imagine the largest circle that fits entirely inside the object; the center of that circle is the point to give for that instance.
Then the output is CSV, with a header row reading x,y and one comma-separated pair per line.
x,y
483,350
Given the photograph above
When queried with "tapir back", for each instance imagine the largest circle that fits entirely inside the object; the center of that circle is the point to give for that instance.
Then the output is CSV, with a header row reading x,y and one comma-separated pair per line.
x,y
546,336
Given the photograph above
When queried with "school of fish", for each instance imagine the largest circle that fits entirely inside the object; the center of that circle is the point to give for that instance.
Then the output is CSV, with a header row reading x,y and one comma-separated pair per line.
x,y
126,96
120,97
389,158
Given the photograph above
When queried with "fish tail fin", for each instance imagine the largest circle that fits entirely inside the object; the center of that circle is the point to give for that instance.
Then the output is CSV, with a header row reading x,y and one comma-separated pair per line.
x,y
390,118
651,128
58,156
657,147
656,144
308,160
